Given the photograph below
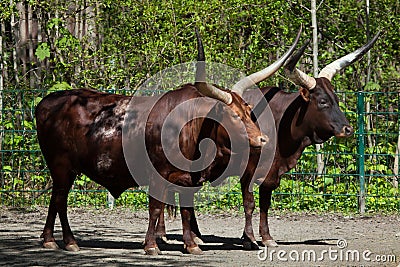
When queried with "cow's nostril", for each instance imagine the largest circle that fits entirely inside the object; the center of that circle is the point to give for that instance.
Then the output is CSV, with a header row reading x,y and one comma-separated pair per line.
x,y
348,130
263,139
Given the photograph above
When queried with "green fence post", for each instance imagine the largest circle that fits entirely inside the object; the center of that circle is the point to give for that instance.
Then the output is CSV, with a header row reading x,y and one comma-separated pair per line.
x,y
360,151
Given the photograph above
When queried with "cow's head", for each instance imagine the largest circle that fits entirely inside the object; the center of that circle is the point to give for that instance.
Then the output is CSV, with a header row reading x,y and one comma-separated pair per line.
x,y
238,112
323,115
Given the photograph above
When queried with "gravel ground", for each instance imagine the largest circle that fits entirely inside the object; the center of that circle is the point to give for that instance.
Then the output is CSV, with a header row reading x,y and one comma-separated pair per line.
x,y
114,238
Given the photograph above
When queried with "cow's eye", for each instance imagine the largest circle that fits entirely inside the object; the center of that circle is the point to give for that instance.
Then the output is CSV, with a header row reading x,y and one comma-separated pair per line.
x,y
235,116
323,103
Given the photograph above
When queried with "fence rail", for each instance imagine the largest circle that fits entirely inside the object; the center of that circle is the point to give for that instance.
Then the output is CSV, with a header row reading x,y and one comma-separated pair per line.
x,y
360,173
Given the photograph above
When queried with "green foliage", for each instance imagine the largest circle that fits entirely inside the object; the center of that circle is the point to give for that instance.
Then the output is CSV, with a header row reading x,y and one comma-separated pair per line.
x,y
323,194
59,86
42,51
372,87
7,8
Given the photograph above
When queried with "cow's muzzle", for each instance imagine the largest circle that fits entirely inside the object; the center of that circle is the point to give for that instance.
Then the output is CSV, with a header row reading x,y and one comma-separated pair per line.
x,y
259,141
347,131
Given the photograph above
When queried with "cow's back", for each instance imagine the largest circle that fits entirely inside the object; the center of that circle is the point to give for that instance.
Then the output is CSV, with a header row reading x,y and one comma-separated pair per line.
x,y
82,129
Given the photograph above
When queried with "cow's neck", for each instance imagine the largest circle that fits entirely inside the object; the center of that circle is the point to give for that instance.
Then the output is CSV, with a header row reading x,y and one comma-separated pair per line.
x,y
209,129
288,110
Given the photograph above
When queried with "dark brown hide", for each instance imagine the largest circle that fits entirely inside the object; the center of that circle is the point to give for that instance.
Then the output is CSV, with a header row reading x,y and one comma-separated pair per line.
x,y
299,123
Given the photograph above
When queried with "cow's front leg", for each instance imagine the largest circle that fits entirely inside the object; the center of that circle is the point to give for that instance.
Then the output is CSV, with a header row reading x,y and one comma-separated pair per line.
x,y
265,203
189,243
150,244
249,241
195,229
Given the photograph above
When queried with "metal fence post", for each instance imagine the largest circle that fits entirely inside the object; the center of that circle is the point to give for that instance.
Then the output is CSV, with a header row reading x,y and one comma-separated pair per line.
x,y
361,151
110,200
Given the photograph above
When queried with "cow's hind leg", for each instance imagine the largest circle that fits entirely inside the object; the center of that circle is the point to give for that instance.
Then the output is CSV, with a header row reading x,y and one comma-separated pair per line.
x,y
47,235
160,227
265,203
155,209
63,179
171,210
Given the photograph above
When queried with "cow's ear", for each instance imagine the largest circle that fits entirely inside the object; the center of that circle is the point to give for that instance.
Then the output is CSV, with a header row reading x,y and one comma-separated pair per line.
x,y
305,94
219,107
218,110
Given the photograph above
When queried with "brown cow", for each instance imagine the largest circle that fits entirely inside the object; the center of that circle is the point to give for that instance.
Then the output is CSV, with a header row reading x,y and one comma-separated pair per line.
x,y
218,167
311,116
230,152
81,131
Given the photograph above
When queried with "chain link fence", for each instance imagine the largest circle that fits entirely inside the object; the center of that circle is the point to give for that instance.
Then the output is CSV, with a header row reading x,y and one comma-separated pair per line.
x,y
360,173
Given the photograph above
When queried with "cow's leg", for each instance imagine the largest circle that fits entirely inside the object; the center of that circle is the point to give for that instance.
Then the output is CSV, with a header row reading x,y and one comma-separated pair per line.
x,y
196,235
249,241
160,227
47,235
161,233
171,210
189,243
265,203
63,179
155,209
171,206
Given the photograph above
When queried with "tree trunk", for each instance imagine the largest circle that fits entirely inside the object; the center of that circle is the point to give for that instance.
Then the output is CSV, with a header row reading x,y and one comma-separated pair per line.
x,y
369,122
320,158
2,32
32,31
14,49
22,38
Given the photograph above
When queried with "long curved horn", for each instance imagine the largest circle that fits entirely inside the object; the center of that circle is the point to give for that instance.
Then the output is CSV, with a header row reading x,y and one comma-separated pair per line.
x,y
295,75
200,83
261,75
330,70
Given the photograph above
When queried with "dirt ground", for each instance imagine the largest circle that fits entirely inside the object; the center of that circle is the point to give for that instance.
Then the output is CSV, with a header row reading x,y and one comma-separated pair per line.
x,y
114,238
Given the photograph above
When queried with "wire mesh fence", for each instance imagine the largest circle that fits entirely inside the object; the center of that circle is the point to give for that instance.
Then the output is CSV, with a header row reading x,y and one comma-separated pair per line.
x,y
360,173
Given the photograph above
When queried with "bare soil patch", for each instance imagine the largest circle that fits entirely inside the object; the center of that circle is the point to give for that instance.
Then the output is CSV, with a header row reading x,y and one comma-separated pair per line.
x,y
114,238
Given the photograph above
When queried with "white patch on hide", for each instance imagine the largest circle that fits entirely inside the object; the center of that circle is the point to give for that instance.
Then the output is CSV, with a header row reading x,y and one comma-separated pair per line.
x,y
121,107
104,162
109,133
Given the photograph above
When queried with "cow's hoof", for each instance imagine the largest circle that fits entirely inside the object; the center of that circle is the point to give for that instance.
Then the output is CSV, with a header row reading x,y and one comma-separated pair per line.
x,y
72,247
198,240
270,243
50,245
194,250
250,245
153,251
